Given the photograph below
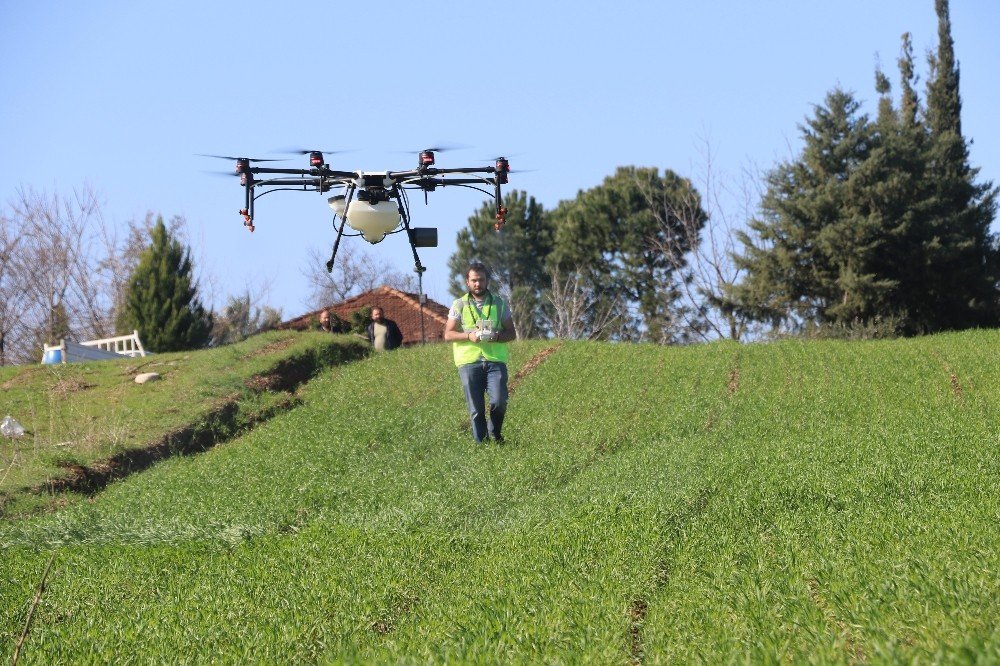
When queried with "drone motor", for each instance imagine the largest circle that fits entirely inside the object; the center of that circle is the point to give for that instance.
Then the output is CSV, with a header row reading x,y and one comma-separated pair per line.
x,y
426,158
502,169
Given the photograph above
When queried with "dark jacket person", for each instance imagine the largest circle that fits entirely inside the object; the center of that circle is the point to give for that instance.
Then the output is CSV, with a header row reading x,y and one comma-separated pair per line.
x,y
383,333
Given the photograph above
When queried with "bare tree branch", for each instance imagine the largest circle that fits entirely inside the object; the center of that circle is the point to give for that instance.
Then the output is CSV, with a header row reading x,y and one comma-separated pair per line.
x,y
707,269
576,312
353,273
63,270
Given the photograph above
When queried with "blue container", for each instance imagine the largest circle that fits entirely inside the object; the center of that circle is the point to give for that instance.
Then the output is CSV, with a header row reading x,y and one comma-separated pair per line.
x,y
52,356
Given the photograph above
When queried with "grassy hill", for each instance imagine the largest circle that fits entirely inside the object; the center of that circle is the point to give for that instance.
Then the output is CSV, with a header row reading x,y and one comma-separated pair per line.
x,y
88,423
822,501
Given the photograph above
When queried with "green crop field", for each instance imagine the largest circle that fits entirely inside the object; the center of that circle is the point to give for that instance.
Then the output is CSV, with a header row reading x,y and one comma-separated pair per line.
x,y
797,502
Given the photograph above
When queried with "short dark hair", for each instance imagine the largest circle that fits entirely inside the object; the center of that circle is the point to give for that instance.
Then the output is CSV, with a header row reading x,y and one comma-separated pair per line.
x,y
479,267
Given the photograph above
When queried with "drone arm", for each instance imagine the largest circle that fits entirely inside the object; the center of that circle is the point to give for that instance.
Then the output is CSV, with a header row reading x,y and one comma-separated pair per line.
x,y
304,182
429,183
442,172
305,173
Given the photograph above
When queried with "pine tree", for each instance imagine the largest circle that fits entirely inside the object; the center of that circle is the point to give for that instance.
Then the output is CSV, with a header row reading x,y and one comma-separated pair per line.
x,y
810,257
162,301
515,256
627,239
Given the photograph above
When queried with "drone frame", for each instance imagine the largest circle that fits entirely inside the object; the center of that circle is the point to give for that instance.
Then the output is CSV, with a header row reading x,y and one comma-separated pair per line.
x,y
373,187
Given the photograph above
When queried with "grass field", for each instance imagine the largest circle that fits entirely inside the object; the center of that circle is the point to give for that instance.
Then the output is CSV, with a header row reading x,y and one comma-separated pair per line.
x,y
820,502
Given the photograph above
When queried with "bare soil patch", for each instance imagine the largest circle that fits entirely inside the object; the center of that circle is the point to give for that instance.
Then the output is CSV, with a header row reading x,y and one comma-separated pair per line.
x,y
734,380
276,346
637,611
69,385
531,365
20,378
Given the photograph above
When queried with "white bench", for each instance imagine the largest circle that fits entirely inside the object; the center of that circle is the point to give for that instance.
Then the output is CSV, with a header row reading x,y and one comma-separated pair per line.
x,y
68,351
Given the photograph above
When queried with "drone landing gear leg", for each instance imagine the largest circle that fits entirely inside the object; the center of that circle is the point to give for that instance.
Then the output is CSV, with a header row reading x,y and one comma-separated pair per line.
x,y
417,266
419,270
336,244
340,230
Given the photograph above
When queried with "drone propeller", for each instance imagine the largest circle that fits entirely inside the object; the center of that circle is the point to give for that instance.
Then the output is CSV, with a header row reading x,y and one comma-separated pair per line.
x,y
440,148
315,154
426,156
227,157
510,170
504,156
444,147
506,165
306,151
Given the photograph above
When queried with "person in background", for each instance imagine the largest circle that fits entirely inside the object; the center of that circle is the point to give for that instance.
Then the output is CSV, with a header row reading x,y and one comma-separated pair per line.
x,y
383,333
480,324
324,321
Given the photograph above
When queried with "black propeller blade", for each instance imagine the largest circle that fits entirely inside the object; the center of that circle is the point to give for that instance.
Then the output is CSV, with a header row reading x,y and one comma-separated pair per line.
x,y
497,159
440,148
316,156
227,157
306,151
505,156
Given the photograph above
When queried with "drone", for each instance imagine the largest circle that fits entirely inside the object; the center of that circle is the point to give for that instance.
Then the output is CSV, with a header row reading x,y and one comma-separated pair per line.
x,y
373,204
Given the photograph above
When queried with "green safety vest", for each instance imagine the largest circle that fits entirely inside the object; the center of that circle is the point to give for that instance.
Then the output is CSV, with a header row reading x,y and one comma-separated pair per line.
x,y
469,352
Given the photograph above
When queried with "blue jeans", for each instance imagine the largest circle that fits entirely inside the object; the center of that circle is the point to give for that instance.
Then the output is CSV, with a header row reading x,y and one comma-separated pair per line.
x,y
478,379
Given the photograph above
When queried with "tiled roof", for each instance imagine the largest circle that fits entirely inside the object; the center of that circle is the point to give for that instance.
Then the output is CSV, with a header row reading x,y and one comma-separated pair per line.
x,y
400,306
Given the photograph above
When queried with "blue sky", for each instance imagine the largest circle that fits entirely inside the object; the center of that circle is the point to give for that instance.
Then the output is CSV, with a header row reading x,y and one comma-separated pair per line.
x,y
121,96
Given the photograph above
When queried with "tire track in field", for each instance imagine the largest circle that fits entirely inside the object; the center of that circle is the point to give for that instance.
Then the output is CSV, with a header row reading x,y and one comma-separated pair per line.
x,y
673,532
733,378
956,385
532,365
516,381
855,653
229,418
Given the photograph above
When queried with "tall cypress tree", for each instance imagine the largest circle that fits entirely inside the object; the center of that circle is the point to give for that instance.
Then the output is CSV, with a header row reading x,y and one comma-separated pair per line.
x,y
962,258
162,302
882,220
897,197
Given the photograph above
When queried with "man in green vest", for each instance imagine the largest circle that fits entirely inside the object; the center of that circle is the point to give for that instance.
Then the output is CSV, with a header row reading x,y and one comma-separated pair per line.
x,y
480,325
